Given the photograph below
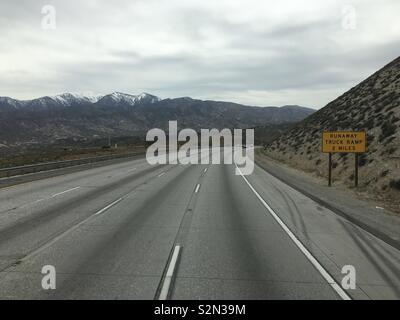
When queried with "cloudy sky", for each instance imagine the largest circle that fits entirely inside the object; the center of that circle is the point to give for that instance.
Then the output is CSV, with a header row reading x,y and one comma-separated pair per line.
x,y
255,52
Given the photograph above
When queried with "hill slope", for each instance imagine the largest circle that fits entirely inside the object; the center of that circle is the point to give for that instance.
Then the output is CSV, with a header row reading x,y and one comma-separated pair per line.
x,y
373,106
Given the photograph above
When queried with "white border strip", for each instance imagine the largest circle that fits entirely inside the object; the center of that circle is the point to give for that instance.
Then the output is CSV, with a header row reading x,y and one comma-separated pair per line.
x,y
297,242
170,274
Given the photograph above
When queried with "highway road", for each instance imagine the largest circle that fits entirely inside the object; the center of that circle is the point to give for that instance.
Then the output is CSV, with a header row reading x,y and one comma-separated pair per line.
x,y
135,231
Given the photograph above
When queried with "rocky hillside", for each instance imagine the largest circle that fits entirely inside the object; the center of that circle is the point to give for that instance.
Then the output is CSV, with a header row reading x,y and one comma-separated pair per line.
x,y
373,106
48,120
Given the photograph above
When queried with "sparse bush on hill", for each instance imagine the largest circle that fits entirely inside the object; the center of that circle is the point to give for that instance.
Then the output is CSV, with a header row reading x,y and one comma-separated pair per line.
x,y
387,129
392,106
369,124
384,173
389,140
395,184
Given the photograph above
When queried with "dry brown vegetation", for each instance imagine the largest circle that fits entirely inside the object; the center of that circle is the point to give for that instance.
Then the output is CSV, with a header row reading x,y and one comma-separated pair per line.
x,y
60,154
373,106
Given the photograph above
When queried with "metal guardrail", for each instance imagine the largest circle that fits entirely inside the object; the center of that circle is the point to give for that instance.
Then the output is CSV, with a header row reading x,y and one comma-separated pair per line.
x,y
32,168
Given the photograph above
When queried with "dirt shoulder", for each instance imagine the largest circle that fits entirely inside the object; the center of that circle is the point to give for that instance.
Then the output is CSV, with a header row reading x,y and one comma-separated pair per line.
x,y
357,207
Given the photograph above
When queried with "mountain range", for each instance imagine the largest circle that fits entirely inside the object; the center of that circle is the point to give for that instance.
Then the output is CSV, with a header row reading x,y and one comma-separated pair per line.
x,y
49,119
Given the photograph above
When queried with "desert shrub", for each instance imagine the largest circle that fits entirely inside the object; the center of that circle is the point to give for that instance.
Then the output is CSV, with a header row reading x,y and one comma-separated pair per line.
x,y
387,130
369,124
389,140
368,108
391,106
370,138
384,173
395,184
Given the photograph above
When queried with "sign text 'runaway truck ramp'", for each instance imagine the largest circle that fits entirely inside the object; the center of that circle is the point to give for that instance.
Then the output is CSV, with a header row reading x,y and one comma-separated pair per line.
x,y
343,141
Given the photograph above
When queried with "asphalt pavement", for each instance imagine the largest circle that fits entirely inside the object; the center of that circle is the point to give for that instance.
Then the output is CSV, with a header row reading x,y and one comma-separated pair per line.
x,y
131,230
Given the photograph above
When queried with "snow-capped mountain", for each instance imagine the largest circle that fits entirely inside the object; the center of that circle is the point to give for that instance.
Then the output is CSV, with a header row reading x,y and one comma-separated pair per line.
x,y
127,99
68,99
77,99
9,102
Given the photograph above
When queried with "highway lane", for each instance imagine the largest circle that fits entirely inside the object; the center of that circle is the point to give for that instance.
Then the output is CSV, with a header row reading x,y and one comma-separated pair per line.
x,y
33,213
232,250
120,253
110,232
333,240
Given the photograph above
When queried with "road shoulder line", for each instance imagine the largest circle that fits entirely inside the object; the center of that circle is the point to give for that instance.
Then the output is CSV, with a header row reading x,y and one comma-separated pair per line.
x,y
335,286
364,226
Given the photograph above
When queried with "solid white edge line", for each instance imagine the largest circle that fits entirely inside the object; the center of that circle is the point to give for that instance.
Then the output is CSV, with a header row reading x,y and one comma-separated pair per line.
x,y
197,188
170,272
298,243
60,236
60,193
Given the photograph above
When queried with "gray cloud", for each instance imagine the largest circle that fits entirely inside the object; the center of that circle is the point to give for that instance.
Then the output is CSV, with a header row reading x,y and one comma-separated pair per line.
x,y
248,51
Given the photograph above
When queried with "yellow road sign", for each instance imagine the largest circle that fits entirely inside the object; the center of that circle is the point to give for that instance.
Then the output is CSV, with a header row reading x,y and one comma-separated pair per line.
x,y
344,141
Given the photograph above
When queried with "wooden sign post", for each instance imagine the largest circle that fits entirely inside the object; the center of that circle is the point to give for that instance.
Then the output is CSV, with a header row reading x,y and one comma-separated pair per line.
x,y
343,142
330,170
